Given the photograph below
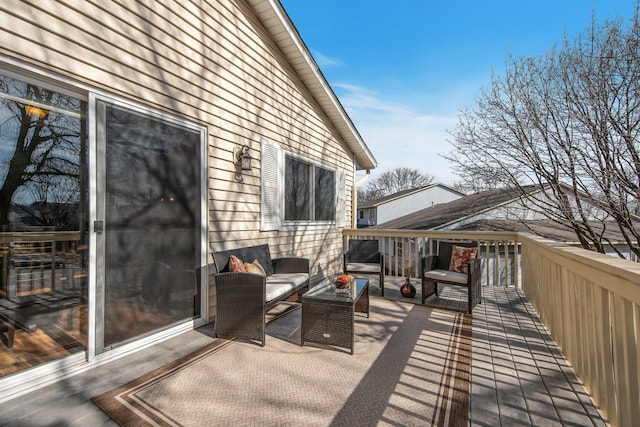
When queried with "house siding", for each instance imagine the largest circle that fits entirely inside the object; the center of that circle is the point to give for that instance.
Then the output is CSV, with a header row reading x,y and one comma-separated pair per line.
x,y
414,202
208,62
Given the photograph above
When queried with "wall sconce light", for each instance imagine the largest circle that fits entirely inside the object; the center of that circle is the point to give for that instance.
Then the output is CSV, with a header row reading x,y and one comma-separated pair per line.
x,y
243,158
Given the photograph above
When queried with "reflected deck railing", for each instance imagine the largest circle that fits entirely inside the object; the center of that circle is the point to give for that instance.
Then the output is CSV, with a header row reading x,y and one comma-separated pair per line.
x,y
589,302
39,261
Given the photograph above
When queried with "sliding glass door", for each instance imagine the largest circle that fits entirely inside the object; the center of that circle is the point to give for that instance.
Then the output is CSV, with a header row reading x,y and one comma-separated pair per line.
x,y
43,224
102,223
149,223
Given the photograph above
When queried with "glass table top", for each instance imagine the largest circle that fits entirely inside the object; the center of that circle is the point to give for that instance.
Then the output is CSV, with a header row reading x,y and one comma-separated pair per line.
x,y
326,290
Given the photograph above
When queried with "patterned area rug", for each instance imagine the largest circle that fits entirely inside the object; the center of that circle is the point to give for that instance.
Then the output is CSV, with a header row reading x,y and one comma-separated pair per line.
x,y
411,367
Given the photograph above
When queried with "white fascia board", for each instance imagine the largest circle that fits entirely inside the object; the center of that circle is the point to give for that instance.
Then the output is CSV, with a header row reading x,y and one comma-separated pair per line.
x,y
288,39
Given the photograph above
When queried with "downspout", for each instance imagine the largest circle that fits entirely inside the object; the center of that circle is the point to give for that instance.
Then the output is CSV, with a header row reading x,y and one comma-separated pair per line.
x,y
354,197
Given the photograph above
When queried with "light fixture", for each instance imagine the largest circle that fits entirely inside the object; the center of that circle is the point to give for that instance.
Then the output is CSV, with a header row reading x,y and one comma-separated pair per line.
x,y
243,158
35,111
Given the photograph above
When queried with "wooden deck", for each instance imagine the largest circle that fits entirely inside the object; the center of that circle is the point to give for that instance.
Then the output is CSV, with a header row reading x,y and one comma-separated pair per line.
x,y
518,375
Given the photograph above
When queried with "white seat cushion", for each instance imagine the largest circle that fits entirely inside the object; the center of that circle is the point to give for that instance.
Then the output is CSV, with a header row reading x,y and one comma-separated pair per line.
x,y
446,276
362,267
282,284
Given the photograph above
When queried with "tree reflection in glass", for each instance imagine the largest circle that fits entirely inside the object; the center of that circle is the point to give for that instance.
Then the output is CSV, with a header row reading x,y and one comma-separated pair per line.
x,y
43,256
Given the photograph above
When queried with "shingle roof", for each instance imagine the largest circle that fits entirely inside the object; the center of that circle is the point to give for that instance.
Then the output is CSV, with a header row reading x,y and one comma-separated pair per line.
x,y
376,202
444,213
544,228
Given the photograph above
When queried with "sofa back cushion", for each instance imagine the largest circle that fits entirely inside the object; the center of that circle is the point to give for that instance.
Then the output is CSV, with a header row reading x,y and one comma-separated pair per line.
x,y
246,254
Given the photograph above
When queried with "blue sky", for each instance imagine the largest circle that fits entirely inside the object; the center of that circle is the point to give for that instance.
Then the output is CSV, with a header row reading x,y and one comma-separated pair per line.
x,y
404,69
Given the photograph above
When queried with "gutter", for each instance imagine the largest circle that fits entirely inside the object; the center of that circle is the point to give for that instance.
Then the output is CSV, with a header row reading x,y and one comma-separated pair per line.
x,y
354,197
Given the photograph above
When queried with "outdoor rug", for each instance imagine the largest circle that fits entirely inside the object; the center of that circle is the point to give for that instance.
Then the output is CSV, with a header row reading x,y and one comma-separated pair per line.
x,y
410,367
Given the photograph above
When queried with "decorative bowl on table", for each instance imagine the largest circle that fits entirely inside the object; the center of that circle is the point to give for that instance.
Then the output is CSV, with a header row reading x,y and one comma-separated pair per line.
x,y
343,284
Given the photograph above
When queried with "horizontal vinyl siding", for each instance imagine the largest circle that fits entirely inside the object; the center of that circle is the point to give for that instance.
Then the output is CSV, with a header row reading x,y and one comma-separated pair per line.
x,y
108,52
284,113
211,62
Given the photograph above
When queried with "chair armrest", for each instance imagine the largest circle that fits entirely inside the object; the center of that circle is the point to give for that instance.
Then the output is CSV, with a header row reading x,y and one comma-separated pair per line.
x,y
474,282
237,280
291,265
474,271
427,263
240,305
239,288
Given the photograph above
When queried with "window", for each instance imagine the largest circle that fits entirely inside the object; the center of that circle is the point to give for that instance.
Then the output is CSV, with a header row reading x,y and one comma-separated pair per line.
x,y
310,192
297,197
295,190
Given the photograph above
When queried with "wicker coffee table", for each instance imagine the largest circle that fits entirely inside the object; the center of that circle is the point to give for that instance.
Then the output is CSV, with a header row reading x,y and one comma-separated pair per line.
x,y
328,318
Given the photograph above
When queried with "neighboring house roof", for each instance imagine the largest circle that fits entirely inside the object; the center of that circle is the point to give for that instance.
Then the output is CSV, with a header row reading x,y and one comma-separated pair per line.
x,y
544,228
284,33
377,202
445,213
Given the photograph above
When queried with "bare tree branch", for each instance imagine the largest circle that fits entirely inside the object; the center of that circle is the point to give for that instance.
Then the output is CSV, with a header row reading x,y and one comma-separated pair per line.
x,y
393,181
569,122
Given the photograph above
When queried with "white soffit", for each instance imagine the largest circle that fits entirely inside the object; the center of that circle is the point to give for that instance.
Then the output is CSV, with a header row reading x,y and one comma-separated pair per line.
x,y
284,33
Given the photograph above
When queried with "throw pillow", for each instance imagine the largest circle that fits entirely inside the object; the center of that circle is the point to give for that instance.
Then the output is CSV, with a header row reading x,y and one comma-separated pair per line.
x,y
255,267
460,257
236,265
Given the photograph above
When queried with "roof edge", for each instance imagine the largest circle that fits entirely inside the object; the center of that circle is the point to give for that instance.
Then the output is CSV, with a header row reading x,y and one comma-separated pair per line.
x,y
403,193
283,28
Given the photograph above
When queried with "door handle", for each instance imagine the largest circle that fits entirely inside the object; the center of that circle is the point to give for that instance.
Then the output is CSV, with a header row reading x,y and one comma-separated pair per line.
x,y
98,227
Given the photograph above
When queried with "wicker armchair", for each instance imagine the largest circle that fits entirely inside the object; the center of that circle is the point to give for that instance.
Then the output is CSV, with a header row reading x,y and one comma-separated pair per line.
x,y
434,269
364,257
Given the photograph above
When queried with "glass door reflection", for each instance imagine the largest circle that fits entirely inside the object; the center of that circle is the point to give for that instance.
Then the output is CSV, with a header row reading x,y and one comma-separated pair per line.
x,y
152,224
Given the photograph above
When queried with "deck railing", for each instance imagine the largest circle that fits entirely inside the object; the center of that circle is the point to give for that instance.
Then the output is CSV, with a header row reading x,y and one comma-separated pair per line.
x,y
499,251
589,302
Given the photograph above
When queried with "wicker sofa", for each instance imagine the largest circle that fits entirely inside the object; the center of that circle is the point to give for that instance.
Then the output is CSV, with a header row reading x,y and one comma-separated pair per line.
x,y
243,299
